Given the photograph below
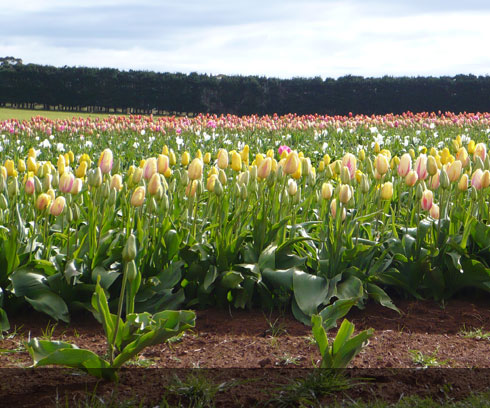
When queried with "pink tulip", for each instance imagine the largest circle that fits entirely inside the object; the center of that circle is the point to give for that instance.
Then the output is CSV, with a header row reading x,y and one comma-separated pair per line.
x,y
421,167
476,179
427,200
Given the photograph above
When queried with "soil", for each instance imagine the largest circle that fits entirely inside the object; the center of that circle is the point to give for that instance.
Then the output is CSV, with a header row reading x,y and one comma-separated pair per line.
x,y
252,354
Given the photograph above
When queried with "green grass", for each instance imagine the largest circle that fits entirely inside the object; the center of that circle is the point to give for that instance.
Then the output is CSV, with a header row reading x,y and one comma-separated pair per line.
x,y
26,114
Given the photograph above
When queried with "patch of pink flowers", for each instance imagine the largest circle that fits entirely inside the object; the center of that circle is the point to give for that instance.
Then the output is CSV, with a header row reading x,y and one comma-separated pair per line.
x,y
283,148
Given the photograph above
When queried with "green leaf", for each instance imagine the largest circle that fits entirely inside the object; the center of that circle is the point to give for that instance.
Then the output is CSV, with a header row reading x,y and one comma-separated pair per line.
x,y
350,288
33,287
102,312
107,278
380,296
231,280
172,242
336,311
345,331
279,279
319,334
45,352
309,291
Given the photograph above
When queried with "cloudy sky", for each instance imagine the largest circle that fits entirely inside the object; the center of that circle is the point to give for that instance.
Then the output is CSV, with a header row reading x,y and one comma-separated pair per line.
x,y
280,38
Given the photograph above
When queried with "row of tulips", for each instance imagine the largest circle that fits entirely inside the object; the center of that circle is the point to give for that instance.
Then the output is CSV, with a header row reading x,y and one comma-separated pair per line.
x,y
248,227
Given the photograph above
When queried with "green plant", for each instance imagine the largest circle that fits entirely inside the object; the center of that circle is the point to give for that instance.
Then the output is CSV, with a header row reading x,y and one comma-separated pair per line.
x,y
344,347
47,333
306,391
477,334
427,360
287,359
125,339
276,328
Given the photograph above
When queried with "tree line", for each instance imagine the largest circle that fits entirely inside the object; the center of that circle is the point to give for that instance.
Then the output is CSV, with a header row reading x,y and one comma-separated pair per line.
x,y
113,90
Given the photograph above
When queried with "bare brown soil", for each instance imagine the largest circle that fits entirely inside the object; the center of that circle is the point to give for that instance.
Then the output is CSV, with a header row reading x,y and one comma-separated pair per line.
x,y
261,352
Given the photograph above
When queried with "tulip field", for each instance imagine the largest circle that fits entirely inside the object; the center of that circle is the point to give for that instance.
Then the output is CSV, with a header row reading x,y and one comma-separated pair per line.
x,y
141,220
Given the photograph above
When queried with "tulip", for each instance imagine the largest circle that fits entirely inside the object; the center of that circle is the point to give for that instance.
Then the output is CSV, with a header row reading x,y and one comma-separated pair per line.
x,y
292,187
480,151
191,188
426,200
106,161
463,157
138,196
236,161
434,211
116,182
476,179
485,179
405,165
222,177
381,164
51,194
365,185
43,201
283,148
435,180
327,191
264,168
30,186
210,183
362,155
258,159
207,158
421,167
454,171
58,206
171,157
222,159
9,165
297,174
77,186
31,164
66,182
292,163
185,159
350,161
326,159
150,168
333,209
345,194
411,178
21,166
321,166
195,169
387,190
81,170
244,154
463,183
432,165
471,147
162,163
154,184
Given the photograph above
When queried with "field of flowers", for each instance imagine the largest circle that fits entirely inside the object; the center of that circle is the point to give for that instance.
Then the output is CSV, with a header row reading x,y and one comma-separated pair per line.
x,y
143,216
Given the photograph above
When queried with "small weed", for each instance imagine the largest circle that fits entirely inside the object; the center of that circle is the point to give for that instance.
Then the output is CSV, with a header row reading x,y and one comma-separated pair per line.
x,y
141,362
76,334
477,334
427,360
306,391
276,327
197,390
47,333
288,359
16,332
310,340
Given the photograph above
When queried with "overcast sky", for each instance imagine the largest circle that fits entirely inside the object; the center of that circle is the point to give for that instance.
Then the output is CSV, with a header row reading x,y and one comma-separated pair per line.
x,y
268,38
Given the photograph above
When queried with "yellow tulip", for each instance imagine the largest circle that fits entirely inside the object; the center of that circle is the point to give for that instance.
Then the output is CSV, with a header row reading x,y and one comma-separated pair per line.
x,y
138,196
185,159
195,169
236,161
222,159
387,190
207,158
21,165
292,163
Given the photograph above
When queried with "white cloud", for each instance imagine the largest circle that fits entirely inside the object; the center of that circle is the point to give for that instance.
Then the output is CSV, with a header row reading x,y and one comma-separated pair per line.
x,y
283,39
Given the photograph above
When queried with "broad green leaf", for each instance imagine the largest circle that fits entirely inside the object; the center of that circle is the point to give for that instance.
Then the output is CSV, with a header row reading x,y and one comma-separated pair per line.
x,y
107,278
231,280
350,288
309,291
335,311
319,333
345,331
380,296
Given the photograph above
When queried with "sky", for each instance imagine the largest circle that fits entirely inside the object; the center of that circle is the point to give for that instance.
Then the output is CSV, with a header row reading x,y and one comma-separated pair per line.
x,y
277,38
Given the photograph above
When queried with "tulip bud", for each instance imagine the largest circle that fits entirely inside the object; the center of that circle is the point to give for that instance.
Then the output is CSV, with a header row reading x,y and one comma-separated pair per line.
x,y
480,151
9,165
222,177
138,196
131,271
38,185
222,159
345,175
58,206
150,168
454,171
171,158
129,251
43,201
292,187
444,179
3,202
21,166
218,188
77,186
420,190
421,167
112,196
195,169
387,190
381,164
463,183
478,163
66,182
47,182
243,192
236,161
162,163
154,184
362,155
105,190
485,179
106,161
476,181
264,168
40,172
426,200
184,178
434,211
116,182
207,158
30,187
191,188
13,187
292,163
328,172
345,193
431,165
